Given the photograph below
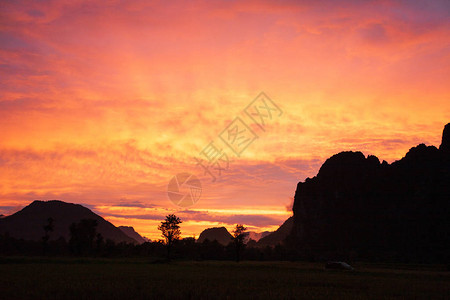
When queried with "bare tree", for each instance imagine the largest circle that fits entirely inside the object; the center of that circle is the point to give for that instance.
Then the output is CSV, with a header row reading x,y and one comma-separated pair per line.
x,y
239,235
170,231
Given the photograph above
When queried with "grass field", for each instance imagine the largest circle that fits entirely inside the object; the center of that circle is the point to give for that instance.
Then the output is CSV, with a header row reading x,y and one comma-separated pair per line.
x,y
25,278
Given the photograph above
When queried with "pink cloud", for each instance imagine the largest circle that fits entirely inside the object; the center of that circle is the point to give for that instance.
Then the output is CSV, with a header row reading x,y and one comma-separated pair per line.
x,y
103,104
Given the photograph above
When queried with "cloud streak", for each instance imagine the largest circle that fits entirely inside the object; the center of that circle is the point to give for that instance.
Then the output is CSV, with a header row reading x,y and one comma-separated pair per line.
x,y
103,104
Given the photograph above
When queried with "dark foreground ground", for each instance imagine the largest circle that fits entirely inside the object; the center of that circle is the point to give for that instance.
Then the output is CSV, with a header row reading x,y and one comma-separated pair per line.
x,y
25,278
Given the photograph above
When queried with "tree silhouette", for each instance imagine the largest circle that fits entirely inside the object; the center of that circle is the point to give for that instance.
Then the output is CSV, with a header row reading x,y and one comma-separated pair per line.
x,y
170,231
99,242
239,235
82,236
47,229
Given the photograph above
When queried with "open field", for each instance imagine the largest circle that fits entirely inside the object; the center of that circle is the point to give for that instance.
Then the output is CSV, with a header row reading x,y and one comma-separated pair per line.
x,y
25,278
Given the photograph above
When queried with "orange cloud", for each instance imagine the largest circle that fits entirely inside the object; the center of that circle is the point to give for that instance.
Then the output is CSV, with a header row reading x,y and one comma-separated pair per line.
x,y
103,104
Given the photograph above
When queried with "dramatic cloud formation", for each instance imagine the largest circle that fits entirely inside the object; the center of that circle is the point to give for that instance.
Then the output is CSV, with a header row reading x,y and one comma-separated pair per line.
x,y
102,103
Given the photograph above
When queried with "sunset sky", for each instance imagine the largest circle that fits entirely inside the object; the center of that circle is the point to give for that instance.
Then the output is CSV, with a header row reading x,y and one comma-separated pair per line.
x,y
102,104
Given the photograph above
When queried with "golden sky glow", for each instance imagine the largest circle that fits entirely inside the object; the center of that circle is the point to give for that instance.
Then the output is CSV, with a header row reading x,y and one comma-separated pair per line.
x,y
101,104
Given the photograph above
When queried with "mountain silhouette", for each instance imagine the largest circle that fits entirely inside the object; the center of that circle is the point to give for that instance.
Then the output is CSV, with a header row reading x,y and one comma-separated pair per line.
x,y
256,236
360,208
220,234
28,223
129,231
278,236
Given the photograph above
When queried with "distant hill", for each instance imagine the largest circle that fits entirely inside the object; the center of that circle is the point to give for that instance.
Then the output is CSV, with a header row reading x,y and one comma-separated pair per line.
x,y
360,208
256,236
129,231
219,234
278,236
28,223
2,216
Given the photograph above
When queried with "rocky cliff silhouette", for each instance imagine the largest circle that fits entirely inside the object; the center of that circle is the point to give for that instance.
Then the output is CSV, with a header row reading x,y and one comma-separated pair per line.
x,y
220,234
359,208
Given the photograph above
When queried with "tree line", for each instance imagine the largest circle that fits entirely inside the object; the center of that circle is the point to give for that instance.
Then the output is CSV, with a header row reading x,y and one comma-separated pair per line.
x,y
85,241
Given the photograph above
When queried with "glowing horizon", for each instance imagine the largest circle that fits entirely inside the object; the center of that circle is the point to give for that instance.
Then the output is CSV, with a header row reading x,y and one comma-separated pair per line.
x,y
102,105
